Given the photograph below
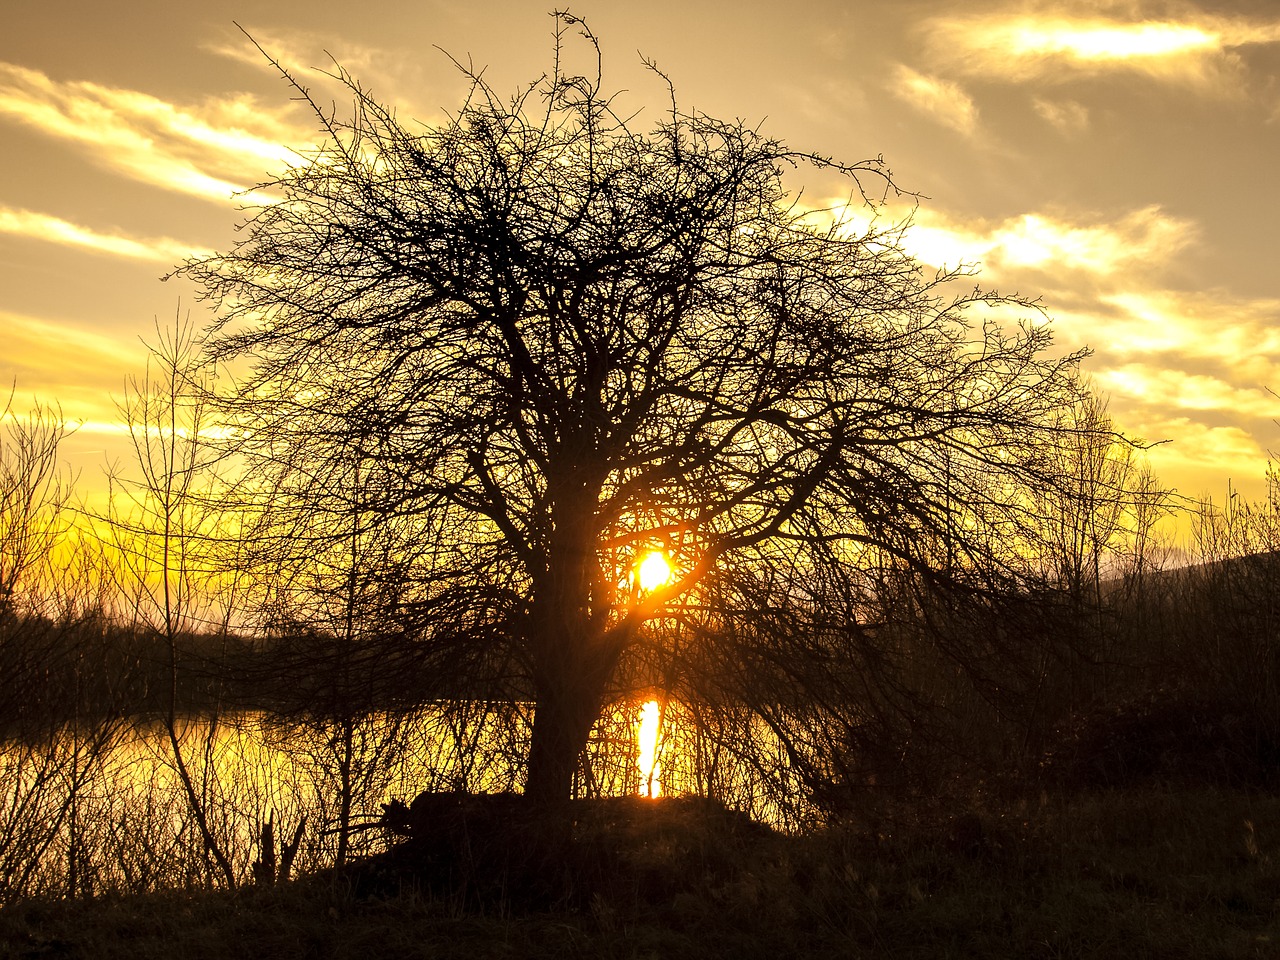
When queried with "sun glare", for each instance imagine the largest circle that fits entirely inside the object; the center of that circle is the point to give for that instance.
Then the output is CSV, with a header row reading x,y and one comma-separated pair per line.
x,y
647,738
653,570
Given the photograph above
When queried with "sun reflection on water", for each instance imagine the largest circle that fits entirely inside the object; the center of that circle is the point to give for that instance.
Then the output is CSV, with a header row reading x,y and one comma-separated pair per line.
x,y
647,737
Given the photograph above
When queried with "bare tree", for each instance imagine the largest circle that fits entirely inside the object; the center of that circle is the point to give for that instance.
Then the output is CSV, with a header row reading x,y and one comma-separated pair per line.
x,y
560,342
1097,525
165,525
328,602
33,495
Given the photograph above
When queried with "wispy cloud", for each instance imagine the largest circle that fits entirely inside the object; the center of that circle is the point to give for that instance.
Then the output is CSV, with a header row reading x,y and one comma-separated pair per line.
x,y
1193,367
211,150
40,226
1158,386
1203,455
313,59
78,368
1049,242
1039,241
1068,116
1243,335
1198,50
945,101
304,50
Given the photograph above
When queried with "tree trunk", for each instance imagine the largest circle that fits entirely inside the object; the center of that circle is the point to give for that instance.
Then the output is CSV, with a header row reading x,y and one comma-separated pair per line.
x,y
563,717
570,688
573,658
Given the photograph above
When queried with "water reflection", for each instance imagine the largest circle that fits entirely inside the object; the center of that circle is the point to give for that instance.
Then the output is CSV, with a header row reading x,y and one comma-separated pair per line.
x,y
647,742
104,809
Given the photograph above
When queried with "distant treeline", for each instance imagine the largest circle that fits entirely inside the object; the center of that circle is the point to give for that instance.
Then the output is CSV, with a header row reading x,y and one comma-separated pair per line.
x,y
1055,681
92,667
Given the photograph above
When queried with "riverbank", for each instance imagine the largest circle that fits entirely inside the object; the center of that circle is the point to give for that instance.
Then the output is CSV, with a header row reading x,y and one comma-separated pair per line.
x,y
1151,873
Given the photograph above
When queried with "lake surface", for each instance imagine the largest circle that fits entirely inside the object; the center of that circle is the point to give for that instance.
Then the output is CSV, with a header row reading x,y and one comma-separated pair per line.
x,y
100,810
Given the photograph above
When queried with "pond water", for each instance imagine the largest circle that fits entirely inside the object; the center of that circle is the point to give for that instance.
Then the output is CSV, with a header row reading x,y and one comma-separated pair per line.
x,y
106,809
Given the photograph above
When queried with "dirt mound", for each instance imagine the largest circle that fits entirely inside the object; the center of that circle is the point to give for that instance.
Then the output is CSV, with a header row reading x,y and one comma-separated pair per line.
x,y
489,849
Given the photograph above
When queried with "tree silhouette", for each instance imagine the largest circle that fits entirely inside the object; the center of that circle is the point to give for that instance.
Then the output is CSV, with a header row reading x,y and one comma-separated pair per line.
x,y
556,343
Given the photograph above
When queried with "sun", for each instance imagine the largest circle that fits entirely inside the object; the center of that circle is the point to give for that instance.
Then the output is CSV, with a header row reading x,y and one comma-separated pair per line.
x,y
653,570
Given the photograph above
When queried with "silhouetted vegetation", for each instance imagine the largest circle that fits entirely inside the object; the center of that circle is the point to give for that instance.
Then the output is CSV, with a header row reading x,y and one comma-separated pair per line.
x,y
1187,875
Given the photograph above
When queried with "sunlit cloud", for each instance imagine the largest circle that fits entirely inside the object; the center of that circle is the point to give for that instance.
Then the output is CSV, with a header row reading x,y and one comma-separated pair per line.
x,y
100,428
81,374
1244,335
54,361
945,101
1186,366
1174,389
72,425
1103,41
1051,252
1199,51
40,226
314,60
1048,242
307,50
211,150
1034,240
1205,455
1067,115
54,348
1191,368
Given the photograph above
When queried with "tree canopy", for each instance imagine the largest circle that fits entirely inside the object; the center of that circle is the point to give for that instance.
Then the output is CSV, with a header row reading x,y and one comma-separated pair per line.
x,y
522,347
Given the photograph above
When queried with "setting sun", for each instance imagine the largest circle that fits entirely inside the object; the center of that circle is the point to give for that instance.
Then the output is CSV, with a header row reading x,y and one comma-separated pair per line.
x,y
653,570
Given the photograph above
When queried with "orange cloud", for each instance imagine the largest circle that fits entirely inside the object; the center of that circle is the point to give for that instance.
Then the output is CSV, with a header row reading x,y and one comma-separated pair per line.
x,y
40,226
1196,51
1050,243
1241,334
1067,115
1169,388
313,58
1190,367
59,362
213,150
1201,456
941,99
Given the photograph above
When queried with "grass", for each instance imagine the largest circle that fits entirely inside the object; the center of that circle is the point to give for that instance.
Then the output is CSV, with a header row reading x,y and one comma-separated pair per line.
x,y
1191,873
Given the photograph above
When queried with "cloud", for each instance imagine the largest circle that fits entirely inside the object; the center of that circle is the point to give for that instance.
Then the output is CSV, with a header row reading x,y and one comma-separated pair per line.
x,y
297,49
314,59
40,226
1198,51
1201,455
1163,387
1193,367
1067,115
1049,243
80,368
943,100
1243,335
1046,242
211,150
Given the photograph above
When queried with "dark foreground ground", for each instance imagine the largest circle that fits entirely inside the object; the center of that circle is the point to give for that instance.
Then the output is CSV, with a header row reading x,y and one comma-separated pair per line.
x,y
1133,874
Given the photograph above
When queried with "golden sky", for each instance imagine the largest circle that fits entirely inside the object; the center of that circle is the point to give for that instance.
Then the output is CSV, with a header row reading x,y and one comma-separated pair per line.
x,y
1115,159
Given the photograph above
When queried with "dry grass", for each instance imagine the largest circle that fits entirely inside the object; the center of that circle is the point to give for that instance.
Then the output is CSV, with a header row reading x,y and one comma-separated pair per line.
x,y
1151,873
